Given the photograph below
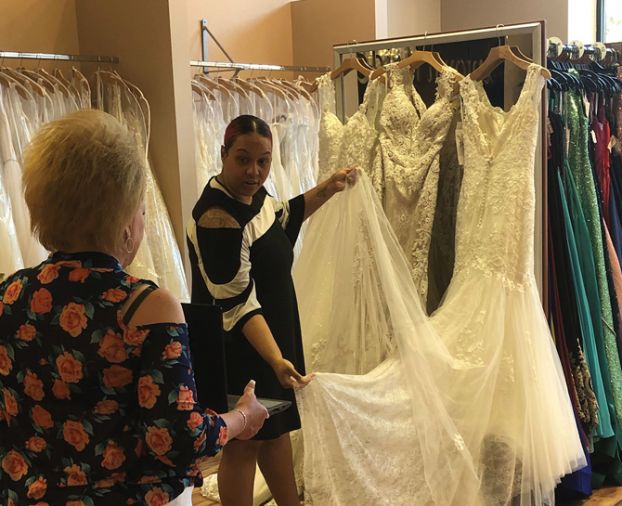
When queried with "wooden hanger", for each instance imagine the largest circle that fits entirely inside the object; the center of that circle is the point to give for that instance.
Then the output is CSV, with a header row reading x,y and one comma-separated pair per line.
x,y
212,84
40,79
250,87
58,74
307,86
267,86
232,86
55,81
498,55
26,81
10,81
415,60
202,90
349,64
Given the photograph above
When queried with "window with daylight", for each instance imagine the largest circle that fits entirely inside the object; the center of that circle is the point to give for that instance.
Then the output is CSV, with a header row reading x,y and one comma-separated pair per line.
x,y
611,16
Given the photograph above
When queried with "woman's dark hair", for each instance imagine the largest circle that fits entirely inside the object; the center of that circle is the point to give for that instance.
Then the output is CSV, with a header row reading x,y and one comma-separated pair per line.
x,y
245,124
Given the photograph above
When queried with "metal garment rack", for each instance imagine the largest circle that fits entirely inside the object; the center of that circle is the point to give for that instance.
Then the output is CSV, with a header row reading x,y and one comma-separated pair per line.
x,y
535,31
576,49
58,57
237,67
224,65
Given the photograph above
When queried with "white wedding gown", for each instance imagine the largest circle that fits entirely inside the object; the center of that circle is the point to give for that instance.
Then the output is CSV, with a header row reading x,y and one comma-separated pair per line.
x,y
471,408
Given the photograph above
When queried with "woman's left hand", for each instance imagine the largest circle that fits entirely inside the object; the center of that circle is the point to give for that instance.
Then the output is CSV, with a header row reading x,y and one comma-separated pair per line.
x,y
340,179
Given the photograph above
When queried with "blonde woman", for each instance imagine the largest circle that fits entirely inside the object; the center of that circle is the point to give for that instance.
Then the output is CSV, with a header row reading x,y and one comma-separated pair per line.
x,y
98,395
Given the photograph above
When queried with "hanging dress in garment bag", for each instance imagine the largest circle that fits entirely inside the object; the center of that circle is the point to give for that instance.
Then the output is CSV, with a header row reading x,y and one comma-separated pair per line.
x,y
10,252
473,409
32,251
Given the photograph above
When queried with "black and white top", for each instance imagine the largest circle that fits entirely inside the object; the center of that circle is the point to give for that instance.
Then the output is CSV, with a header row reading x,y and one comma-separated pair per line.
x,y
244,267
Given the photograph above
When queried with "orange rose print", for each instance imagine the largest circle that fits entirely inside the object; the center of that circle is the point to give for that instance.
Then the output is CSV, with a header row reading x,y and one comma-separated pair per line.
x,y
112,348
74,503
10,404
107,407
148,392
1,308
172,350
114,456
75,475
159,440
117,376
73,319
185,399
33,386
75,435
12,292
36,444
69,368
79,275
48,274
195,420
60,389
42,417
6,364
37,489
114,295
41,301
135,337
14,465
223,436
26,332
156,497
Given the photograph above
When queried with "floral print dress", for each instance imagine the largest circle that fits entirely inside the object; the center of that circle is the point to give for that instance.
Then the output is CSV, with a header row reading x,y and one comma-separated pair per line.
x,y
93,411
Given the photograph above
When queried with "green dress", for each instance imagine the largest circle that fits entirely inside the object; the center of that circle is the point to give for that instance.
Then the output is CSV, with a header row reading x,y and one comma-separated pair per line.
x,y
580,166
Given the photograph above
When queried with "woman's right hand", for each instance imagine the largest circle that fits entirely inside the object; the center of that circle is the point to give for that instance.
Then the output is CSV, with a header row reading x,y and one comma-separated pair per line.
x,y
255,413
288,376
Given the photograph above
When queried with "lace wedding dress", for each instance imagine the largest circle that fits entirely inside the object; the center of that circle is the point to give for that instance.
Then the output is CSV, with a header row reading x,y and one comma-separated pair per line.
x,y
471,408
411,139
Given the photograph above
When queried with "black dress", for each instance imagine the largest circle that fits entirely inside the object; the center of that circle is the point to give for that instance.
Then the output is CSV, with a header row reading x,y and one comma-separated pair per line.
x,y
247,271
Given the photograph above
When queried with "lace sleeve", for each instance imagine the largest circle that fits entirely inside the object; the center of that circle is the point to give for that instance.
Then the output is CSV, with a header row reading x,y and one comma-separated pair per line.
x,y
176,429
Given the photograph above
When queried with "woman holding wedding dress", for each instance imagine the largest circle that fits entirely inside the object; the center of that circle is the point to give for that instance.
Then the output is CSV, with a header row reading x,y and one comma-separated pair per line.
x,y
241,250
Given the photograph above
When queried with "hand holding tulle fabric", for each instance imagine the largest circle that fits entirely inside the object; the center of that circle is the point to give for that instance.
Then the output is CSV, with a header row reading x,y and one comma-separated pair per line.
x,y
318,196
341,179
288,376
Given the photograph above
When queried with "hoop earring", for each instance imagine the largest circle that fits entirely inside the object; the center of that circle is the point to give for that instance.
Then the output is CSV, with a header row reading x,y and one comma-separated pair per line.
x,y
129,244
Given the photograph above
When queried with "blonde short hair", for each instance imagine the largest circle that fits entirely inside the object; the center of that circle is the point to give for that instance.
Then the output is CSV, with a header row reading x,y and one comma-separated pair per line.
x,y
84,179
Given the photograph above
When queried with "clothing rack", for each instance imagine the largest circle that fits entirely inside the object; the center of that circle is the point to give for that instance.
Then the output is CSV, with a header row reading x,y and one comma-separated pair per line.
x,y
226,65
576,49
532,31
58,57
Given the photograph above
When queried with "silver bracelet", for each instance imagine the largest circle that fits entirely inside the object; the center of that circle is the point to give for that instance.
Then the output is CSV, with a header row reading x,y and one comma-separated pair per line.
x,y
243,416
